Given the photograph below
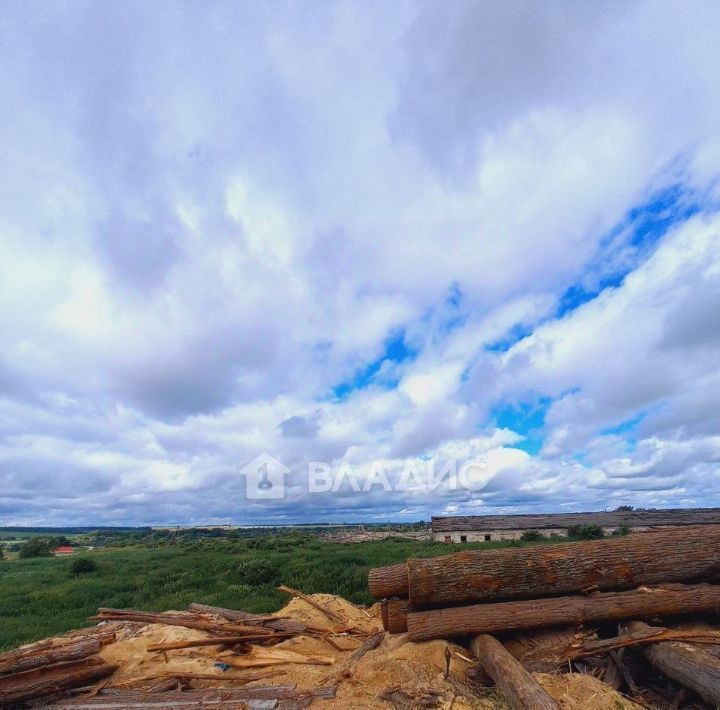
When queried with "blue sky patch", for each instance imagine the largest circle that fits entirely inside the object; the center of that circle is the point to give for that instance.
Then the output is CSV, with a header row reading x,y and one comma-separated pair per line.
x,y
396,350
646,224
525,418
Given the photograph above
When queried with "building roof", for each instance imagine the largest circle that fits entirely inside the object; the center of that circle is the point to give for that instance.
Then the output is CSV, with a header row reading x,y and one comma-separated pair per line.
x,y
63,550
634,518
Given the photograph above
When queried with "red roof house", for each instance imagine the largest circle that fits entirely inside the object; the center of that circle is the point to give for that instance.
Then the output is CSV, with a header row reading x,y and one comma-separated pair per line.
x,y
64,550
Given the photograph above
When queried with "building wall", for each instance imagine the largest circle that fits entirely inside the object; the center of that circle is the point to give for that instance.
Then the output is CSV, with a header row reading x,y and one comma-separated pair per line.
x,y
495,535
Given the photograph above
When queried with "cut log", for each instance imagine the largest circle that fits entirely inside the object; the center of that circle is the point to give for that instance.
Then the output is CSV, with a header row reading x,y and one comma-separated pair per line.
x,y
394,615
390,581
536,613
551,570
40,682
688,665
19,661
518,685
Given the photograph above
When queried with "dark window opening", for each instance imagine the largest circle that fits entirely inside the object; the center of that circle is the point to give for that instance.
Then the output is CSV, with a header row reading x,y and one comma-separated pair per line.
x,y
463,538
487,538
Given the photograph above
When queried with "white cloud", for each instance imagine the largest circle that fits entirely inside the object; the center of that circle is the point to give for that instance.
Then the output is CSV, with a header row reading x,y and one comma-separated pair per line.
x,y
215,215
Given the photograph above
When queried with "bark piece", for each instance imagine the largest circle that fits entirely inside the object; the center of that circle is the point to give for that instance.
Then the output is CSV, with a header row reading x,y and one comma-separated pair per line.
x,y
687,664
411,699
517,684
551,570
536,613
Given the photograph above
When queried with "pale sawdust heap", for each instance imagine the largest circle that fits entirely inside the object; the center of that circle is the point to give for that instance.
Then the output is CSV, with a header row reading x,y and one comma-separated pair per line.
x,y
397,663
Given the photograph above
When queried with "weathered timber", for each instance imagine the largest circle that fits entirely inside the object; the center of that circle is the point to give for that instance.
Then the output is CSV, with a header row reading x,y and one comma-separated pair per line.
x,y
518,685
207,698
536,613
220,677
688,665
268,621
48,680
551,570
189,622
637,638
217,641
231,614
390,581
18,662
394,615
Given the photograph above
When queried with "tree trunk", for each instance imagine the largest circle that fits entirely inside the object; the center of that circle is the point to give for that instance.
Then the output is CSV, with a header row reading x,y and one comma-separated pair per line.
x,y
390,581
535,613
550,570
691,666
394,615
519,687
37,683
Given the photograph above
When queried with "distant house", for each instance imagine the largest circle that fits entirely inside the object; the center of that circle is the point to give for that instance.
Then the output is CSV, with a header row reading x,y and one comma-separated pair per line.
x,y
486,528
63,550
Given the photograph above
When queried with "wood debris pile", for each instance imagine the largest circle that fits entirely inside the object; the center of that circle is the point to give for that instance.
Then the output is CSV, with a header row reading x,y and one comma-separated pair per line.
x,y
138,659
574,606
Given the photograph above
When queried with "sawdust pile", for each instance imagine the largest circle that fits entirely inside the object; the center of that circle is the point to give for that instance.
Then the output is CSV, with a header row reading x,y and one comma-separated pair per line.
x,y
396,674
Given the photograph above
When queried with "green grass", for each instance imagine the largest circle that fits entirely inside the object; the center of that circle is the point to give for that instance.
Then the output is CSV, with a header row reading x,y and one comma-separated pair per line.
x,y
40,597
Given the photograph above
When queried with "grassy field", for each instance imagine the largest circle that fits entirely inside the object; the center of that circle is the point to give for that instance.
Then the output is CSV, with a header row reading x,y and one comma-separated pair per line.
x,y
40,597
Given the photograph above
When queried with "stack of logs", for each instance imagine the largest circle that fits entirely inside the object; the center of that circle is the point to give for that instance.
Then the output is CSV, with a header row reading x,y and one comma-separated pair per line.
x,y
476,593
50,667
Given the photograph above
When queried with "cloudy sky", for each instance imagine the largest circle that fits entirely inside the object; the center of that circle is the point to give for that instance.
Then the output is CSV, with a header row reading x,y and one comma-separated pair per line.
x,y
357,231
